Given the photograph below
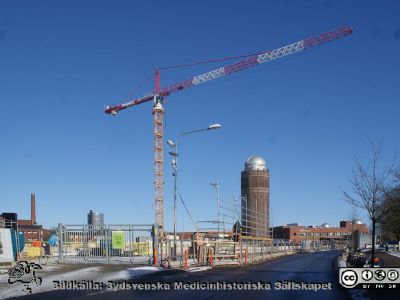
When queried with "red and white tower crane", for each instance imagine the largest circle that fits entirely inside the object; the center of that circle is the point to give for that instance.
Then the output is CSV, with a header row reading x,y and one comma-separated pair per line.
x,y
157,96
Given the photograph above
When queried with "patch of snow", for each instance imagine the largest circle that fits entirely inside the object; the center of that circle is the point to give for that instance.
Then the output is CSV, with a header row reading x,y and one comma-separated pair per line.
x,y
15,290
397,254
130,273
341,263
51,268
199,269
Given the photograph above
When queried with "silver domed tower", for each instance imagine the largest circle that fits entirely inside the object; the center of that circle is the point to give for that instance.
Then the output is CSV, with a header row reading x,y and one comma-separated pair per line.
x,y
255,163
255,197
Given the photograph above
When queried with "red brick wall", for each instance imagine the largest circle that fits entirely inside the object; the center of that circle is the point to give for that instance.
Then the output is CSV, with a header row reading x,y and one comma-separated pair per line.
x,y
298,233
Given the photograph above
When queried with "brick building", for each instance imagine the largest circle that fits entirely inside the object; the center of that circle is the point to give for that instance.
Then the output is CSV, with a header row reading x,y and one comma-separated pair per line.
x,y
298,233
31,230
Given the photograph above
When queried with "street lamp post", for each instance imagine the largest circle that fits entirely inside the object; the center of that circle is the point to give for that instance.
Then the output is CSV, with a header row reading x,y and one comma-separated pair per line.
x,y
174,146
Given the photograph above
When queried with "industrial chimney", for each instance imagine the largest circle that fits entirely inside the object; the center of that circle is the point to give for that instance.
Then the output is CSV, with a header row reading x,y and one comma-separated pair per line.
x,y
33,209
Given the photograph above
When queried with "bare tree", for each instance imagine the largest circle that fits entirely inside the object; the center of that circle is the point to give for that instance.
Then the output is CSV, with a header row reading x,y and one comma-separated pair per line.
x,y
370,187
353,215
390,221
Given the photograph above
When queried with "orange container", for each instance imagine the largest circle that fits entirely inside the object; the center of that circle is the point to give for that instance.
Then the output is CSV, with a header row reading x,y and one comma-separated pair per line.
x,y
37,244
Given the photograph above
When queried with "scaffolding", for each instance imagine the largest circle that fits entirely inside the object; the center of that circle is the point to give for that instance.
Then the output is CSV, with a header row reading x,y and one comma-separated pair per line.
x,y
232,213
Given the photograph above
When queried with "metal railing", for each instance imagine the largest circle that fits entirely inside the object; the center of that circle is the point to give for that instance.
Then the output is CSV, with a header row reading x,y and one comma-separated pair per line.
x,y
211,252
128,243
248,250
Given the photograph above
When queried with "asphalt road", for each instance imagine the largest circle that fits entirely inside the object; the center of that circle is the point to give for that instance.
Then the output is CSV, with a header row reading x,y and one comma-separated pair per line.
x,y
310,268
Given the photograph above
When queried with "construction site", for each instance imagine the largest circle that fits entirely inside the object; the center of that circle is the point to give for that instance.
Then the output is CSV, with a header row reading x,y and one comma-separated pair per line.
x,y
201,150
240,234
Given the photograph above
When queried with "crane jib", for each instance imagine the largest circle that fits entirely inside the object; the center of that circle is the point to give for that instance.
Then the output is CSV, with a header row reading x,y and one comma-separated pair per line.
x,y
271,55
258,59
241,65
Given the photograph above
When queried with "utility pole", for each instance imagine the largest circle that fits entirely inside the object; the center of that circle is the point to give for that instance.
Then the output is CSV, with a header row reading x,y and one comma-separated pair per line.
x,y
174,164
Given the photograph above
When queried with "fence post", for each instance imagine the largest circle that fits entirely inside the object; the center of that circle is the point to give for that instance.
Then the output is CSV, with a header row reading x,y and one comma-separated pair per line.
x,y
198,254
211,257
86,239
131,237
194,250
181,250
262,252
186,260
254,249
241,252
155,244
245,256
107,233
60,244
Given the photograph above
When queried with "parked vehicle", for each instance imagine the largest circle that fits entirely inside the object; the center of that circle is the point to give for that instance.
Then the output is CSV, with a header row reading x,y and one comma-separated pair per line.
x,y
355,260
358,260
377,263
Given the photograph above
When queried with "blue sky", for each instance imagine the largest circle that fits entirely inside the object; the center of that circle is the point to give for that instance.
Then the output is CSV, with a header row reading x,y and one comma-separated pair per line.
x,y
309,115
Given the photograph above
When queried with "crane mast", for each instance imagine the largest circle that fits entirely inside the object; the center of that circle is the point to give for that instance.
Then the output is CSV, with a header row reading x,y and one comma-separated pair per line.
x,y
158,112
157,96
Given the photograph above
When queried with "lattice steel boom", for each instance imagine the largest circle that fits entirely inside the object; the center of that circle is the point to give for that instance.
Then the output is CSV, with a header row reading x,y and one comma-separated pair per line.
x,y
159,93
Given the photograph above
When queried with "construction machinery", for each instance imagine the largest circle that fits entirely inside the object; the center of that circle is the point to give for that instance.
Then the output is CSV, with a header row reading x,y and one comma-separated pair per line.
x,y
159,93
